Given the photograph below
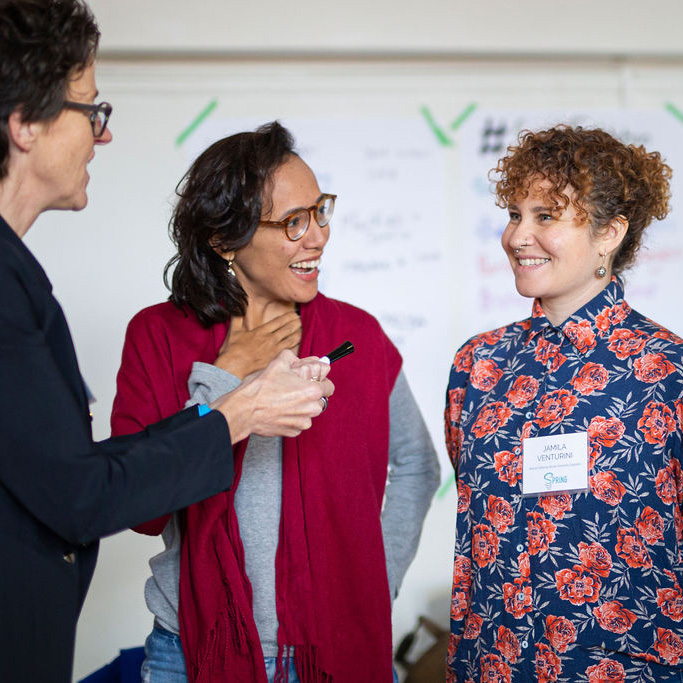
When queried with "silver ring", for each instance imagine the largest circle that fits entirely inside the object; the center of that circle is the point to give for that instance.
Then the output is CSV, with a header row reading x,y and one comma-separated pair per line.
x,y
323,400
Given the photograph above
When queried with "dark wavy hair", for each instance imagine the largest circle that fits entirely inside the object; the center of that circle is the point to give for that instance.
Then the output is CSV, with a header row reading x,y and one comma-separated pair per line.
x,y
610,178
221,200
43,45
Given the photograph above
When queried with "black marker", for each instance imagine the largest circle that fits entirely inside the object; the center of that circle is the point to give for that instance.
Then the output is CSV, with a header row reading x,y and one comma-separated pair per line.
x,y
344,350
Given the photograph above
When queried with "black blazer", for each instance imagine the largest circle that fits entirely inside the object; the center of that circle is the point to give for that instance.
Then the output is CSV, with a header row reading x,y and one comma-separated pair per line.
x,y
59,490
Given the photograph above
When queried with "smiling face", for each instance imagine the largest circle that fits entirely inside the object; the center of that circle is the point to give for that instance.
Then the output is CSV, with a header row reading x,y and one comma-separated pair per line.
x,y
552,253
65,146
271,268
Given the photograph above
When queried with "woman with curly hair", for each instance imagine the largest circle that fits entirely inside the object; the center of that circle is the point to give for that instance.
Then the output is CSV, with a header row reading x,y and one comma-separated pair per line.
x,y
565,433
290,574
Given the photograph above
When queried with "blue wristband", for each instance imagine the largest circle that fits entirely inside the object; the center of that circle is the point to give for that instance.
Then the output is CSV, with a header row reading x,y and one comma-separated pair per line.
x,y
203,409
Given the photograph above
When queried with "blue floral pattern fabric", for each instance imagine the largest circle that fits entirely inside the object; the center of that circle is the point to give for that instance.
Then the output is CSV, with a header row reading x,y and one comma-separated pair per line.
x,y
569,587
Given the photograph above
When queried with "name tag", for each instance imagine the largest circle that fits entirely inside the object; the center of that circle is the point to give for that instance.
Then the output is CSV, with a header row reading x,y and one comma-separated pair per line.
x,y
554,464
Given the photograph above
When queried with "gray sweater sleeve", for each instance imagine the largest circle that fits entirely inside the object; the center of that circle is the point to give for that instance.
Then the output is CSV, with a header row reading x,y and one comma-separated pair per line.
x,y
207,382
413,479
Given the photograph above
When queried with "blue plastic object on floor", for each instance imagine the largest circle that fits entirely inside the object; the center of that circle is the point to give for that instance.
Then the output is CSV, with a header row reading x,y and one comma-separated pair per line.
x,y
124,669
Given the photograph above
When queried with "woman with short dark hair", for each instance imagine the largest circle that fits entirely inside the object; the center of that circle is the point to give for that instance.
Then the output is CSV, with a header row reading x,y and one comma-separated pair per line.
x,y
565,433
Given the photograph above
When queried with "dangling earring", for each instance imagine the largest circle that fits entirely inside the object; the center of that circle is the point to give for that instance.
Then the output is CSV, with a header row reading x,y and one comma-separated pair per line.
x,y
230,270
601,271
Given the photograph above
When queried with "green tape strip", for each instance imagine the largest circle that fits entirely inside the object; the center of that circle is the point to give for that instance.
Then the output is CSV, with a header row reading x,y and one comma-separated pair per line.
x,y
194,125
463,115
671,108
444,488
440,135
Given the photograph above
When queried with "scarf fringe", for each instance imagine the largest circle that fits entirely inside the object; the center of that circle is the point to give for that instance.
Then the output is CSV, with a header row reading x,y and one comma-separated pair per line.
x,y
305,662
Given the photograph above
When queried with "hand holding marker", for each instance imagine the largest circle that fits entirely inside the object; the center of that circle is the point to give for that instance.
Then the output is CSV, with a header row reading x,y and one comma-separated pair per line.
x,y
344,350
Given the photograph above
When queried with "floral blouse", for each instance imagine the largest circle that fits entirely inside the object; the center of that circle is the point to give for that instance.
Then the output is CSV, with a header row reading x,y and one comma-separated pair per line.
x,y
572,586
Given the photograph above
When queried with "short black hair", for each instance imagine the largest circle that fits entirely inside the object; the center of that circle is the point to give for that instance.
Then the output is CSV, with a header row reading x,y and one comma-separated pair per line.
x,y
220,203
43,45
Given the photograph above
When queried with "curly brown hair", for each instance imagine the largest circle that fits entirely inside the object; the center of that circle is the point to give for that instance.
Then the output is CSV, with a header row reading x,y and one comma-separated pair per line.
x,y
610,179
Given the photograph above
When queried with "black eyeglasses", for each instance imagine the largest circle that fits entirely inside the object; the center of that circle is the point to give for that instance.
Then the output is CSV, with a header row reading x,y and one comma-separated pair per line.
x,y
296,223
99,114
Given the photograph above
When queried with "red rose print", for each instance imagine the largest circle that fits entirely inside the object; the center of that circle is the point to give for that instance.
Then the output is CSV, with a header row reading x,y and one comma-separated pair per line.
x,y
608,671
517,599
556,505
650,526
472,626
614,617
494,670
591,377
631,548
464,497
459,604
679,413
595,558
548,666
527,428
624,343
525,324
464,357
560,632
494,336
540,532
491,418
666,483
507,644
606,430
595,452
524,564
484,545
581,335
668,335
549,355
577,585
500,513
670,602
454,437
612,315
657,423
485,375
509,466
456,400
462,572
554,407
669,645
652,367
607,488
523,391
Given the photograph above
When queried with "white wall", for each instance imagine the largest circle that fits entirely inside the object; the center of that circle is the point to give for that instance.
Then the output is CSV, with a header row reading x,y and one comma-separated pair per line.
x,y
270,60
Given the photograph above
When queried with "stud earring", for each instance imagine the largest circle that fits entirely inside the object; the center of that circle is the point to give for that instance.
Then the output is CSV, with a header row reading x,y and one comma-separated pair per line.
x,y
230,269
601,271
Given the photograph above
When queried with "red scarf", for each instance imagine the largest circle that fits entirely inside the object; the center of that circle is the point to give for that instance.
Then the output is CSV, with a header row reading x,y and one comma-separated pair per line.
x,y
332,595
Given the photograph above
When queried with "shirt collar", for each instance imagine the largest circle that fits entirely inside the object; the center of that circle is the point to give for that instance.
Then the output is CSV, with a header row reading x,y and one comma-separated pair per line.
x,y
592,319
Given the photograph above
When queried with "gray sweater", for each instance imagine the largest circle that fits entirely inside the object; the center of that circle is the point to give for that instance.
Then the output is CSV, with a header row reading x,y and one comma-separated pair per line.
x,y
412,480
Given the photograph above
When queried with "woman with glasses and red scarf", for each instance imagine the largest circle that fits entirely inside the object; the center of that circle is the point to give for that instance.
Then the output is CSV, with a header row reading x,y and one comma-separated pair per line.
x,y
290,574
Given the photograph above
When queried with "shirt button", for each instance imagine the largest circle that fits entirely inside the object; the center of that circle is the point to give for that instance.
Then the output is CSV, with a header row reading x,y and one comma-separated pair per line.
x,y
525,644
520,547
529,415
69,558
520,597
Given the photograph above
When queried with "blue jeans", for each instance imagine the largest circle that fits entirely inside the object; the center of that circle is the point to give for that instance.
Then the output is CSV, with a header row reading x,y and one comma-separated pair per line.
x,y
165,662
